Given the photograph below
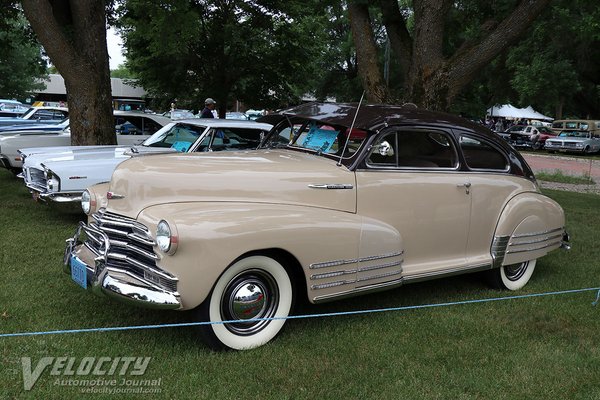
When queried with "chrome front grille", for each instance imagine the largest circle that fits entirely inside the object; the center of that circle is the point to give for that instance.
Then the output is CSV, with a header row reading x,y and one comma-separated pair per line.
x,y
35,178
130,248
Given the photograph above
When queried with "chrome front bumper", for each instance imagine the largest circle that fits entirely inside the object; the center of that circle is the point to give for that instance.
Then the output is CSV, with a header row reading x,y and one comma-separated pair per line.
x,y
116,283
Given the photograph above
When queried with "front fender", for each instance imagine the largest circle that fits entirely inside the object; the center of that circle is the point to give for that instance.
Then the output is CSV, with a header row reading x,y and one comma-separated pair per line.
x,y
327,244
530,226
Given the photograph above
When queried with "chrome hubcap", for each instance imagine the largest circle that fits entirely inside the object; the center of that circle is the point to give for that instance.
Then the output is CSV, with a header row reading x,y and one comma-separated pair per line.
x,y
249,296
515,271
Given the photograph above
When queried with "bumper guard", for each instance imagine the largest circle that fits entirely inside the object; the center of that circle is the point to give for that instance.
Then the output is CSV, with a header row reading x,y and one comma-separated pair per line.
x,y
115,283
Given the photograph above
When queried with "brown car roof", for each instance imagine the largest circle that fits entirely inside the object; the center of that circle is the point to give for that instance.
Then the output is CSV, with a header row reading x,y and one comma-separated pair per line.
x,y
372,117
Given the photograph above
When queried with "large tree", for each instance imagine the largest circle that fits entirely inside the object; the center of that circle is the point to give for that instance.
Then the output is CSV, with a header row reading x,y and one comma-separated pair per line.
x,y
73,33
432,72
261,52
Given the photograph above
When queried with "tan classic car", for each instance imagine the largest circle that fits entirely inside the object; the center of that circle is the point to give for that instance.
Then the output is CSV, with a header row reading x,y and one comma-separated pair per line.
x,y
340,200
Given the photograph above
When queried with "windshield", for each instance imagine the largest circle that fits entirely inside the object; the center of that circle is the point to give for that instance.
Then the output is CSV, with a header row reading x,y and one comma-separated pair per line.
x,y
322,139
574,134
183,136
177,136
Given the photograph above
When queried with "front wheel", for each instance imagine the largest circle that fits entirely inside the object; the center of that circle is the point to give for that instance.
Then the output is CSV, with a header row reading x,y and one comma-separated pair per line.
x,y
251,290
512,277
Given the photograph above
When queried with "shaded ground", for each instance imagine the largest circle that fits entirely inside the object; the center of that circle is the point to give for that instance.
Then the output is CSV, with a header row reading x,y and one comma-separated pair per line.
x,y
568,166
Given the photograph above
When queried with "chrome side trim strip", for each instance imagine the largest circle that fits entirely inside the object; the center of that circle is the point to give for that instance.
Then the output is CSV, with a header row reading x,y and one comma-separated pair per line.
x,y
381,266
364,289
331,186
378,257
378,276
560,235
335,263
557,244
538,233
332,284
332,274
447,272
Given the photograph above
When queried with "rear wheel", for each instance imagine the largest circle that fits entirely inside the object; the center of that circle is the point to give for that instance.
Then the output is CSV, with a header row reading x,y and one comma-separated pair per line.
x,y
512,277
251,290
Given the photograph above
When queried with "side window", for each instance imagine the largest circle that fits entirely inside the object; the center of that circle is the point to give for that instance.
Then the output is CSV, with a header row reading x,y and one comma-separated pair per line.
x,y
480,155
414,149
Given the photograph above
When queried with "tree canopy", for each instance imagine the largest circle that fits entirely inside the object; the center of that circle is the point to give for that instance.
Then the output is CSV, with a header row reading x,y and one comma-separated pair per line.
x,y
21,62
461,56
260,52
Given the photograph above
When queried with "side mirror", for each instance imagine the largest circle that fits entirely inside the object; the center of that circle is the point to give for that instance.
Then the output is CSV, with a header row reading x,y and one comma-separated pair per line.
x,y
384,148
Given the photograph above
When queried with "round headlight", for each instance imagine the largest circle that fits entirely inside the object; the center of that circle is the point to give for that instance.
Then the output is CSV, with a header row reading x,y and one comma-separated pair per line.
x,y
86,201
163,236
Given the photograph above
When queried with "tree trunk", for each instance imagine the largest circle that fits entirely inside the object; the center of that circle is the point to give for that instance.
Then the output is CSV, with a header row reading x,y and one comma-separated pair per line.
x,y
366,53
559,107
432,81
398,35
73,34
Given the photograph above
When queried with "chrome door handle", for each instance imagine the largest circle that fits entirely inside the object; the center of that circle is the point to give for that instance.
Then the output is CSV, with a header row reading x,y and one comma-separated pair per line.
x,y
466,185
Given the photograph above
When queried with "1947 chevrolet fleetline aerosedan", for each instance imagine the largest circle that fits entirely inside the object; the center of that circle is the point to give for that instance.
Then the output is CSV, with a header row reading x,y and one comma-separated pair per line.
x,y
338,201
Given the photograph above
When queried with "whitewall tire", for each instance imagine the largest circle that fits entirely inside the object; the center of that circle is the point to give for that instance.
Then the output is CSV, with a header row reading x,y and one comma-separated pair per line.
x,y
255,287
512,277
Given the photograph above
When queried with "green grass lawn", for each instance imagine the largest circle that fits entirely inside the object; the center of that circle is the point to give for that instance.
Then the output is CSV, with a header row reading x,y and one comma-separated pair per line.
x,y
534,348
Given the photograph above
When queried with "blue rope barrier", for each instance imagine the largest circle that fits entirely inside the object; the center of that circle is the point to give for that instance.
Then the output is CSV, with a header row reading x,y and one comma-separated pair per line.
x,y
323,315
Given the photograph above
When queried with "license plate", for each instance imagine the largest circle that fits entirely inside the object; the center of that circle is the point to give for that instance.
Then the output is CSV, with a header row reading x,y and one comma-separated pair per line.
x,y
79,272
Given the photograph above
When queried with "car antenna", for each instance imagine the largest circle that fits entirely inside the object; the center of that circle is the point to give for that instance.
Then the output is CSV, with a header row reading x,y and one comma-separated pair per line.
x,y
350,131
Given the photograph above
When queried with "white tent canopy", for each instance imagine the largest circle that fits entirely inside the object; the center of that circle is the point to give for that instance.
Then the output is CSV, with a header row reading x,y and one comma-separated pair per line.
x,y
508,111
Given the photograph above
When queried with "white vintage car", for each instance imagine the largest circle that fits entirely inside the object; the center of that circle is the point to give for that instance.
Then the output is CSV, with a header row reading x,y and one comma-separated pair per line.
x,y
60,135
61,174
339,201
574,141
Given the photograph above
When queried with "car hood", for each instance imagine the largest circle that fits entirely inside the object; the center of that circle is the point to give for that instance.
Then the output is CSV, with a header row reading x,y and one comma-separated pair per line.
x,y
260,176
567,139
25,128
73,157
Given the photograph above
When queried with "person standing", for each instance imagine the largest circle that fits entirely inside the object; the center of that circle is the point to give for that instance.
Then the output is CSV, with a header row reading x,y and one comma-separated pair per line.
x,y
209,106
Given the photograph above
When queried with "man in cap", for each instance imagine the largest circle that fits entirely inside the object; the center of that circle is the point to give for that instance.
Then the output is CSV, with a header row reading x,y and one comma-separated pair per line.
x,y
209,106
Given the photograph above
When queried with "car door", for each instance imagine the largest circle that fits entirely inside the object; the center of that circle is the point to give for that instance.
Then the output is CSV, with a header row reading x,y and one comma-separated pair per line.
x,y
411,181
491,187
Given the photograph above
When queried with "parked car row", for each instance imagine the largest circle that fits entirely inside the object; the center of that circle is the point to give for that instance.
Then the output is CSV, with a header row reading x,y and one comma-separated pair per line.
x,y
573,136
48,171
318,202
14,138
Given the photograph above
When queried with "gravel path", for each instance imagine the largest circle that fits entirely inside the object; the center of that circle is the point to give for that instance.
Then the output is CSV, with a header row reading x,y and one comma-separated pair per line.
x,y
568,166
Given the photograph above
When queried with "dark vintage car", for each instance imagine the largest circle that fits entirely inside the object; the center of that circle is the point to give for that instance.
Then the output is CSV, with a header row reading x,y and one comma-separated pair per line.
x,y
531,137
339,201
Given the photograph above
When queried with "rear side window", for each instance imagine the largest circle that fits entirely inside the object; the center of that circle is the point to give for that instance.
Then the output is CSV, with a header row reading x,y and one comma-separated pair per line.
x,y
481,155
413,149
